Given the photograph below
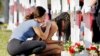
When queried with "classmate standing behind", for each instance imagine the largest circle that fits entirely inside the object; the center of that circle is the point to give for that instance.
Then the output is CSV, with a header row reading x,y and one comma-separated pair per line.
x,y
96,21
19,44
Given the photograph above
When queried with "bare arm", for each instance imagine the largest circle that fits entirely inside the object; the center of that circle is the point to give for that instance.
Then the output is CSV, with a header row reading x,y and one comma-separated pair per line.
x,y
53,29
92,2
40,33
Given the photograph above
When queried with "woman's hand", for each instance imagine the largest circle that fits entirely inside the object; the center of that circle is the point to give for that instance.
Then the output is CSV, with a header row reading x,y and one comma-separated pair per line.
x,y
48,24
43,24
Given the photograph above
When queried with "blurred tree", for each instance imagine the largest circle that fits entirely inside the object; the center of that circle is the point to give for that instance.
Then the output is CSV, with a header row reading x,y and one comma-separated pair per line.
x,y
1,8
0,5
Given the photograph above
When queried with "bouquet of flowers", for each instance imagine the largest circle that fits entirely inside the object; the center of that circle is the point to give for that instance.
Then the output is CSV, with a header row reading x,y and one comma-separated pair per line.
x,y
67,45
94,50
98,49
74,48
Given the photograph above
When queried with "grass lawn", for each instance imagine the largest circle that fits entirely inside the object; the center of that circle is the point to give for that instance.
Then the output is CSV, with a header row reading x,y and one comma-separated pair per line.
x,y
4,36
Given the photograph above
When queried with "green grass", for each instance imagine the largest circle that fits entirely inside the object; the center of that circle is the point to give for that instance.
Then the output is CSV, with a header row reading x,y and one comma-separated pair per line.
x,y
4,36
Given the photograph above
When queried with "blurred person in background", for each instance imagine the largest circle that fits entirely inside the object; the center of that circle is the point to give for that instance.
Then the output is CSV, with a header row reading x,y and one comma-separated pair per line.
x,y
96,21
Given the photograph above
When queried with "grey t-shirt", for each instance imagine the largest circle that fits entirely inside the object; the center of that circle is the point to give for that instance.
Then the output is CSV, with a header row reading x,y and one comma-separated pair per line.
x,y
25,30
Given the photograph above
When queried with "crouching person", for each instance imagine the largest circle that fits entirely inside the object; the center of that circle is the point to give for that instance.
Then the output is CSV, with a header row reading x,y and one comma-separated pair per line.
x,y
19,44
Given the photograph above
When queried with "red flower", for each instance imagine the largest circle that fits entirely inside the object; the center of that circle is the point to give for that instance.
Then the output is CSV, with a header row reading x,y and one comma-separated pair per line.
x,y
88,49
77,44
71,50
93,48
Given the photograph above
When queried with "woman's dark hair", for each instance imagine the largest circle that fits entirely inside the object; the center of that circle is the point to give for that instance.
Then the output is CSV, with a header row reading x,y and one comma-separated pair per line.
x,y
66,18
39,12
